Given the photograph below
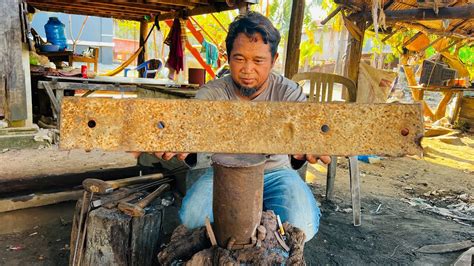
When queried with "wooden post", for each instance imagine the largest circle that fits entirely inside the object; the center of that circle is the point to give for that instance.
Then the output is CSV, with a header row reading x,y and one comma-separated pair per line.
x,y
142,55
354,52
12,67
294,38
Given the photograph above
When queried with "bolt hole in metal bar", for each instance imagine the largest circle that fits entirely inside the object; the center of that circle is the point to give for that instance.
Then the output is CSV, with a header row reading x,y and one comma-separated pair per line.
x,y
405,132
91,124
160,125
325,128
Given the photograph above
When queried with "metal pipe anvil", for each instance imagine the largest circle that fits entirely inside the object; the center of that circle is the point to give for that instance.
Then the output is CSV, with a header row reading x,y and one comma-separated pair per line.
x,y
237,198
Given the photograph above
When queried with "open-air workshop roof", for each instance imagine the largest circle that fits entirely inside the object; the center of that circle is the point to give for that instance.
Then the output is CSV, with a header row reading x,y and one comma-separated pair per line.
x,y
134,9
422,15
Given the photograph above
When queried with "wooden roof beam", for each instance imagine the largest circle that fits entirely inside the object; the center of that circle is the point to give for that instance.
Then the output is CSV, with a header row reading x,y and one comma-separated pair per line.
x,y
80,10
217,7
183,3
136,7
459,12
142,3
434,31
85,13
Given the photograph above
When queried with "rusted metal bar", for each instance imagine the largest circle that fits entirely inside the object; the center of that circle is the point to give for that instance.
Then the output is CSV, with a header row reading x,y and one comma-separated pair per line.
x,y
237,197
240,126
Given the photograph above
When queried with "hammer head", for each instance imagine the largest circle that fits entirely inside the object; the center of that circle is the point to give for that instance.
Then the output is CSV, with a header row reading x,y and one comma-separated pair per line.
x,y
97,186
131,209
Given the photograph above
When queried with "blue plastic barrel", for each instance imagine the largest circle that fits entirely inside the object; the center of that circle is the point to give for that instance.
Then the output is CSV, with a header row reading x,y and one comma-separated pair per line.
x,y
55,33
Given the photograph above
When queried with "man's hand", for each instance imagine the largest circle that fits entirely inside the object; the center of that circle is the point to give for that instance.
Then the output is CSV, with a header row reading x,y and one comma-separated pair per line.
x,y
168,155
311,158
163,155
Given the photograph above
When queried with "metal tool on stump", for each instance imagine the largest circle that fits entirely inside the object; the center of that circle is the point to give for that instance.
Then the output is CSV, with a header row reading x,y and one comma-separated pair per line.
x,y
237,198
137,210
103,187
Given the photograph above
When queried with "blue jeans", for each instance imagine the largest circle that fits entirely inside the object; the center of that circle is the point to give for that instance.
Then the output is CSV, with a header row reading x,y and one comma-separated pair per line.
x,y
284,192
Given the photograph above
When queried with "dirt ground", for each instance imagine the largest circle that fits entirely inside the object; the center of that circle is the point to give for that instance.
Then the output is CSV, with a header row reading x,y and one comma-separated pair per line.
x,y
392,230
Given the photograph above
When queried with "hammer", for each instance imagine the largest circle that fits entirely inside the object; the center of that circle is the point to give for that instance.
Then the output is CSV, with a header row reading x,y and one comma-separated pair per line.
x,y
136,210
102,187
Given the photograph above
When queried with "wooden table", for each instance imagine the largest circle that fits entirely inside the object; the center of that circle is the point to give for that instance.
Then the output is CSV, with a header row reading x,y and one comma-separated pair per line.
x,y
448,93
58,57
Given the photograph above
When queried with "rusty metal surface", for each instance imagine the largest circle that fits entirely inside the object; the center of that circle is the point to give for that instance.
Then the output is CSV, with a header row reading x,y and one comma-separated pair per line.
x,y
237,199
240,127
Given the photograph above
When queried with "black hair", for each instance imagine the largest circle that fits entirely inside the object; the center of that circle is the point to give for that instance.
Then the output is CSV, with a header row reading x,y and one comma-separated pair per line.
x,y
251,23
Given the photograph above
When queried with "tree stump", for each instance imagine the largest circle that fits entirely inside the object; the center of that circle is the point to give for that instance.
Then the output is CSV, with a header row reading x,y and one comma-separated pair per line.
x,y
114,238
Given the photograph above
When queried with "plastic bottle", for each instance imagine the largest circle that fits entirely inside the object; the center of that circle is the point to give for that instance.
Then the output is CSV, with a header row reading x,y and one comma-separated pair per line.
x,y
55,33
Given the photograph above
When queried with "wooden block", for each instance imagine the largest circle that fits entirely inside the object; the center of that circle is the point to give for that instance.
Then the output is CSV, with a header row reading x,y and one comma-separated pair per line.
x,y
241,127
114,238
37,200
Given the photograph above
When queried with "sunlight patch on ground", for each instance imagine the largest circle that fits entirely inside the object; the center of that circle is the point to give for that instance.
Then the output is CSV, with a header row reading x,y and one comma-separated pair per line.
x,y
450,151
311,177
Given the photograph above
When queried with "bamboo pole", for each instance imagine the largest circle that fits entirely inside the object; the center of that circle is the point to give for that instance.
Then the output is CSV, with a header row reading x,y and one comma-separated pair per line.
x,y
202,28
218,22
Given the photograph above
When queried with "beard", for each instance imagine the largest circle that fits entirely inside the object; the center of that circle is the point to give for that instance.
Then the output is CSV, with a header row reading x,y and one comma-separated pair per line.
x,y
247,91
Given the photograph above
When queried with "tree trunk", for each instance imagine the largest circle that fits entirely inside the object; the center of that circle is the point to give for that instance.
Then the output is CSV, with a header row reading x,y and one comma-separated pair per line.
x,y
114,238
294,38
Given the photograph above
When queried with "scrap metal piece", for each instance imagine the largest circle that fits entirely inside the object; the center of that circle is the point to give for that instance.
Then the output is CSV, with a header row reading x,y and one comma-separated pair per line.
x,y
210,232
281,242
237,198
231,243
261,232
241,126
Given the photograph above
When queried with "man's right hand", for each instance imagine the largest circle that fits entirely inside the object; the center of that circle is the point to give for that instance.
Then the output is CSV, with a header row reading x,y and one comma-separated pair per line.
x,y
163,155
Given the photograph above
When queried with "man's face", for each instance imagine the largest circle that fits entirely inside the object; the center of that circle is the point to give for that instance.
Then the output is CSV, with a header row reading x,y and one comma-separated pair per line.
x,y
250,64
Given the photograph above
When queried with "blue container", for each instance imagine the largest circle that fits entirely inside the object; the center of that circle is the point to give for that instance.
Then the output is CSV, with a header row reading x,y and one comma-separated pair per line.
x,y
368,158
55,33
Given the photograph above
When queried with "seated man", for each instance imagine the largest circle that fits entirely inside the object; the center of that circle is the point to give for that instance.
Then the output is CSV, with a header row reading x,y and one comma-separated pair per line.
x,y
252,44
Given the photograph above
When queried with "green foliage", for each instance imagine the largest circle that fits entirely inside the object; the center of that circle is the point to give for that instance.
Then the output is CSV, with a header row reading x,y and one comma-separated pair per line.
x,y
389,58
307,51
126,29
280,12
213,28
466,54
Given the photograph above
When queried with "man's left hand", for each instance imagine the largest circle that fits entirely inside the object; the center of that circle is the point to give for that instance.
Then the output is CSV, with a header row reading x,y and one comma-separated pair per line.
x,y
311,158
